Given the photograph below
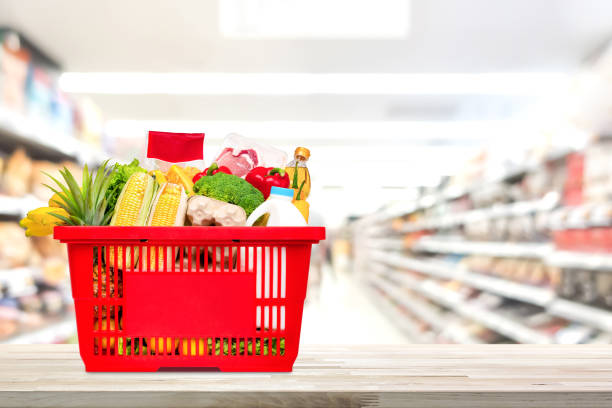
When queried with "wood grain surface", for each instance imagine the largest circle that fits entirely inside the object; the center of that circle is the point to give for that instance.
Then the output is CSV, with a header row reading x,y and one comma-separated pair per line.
x,y
327,376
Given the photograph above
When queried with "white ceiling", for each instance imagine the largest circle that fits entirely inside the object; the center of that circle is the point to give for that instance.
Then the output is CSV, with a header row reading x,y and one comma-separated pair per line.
x,y
183,35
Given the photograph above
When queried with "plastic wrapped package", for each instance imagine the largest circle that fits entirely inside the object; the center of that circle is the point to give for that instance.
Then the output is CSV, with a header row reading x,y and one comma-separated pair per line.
x,y
241,155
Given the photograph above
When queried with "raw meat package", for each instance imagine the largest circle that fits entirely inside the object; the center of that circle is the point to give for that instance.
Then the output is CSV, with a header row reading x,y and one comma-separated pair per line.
x,y
241,155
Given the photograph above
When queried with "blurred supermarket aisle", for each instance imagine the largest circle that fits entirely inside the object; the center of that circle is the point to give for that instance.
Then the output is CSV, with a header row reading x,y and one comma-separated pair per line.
x,y
340,312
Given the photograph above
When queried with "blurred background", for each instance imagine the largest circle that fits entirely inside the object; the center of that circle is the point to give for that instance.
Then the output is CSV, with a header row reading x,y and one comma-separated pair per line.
x,y
461,151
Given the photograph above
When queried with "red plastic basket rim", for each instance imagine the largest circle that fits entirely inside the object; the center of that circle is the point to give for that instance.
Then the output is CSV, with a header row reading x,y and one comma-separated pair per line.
x,y
288,234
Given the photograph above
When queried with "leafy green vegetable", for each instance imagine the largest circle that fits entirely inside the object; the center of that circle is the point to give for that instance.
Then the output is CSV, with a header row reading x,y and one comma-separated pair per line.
x,y
119,176
231,189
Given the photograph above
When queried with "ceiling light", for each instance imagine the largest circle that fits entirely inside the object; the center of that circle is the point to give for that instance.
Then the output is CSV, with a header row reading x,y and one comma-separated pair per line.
x,y
139,83
314,18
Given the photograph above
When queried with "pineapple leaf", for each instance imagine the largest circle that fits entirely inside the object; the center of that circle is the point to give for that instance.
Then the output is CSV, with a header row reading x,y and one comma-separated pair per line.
x,y
63,206
77,220
97,184
61,186
101,182
64,195
100,215
61,217
107,217
89,197
86,204
86,181
74,189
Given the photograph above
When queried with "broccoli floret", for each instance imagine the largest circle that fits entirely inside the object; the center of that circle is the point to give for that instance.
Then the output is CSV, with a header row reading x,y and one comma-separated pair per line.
x,y
231,189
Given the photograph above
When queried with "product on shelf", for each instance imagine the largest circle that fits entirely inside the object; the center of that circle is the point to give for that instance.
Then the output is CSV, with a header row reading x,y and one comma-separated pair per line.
x,y
17,174
48,247
14,62
53,271
15,248
531,272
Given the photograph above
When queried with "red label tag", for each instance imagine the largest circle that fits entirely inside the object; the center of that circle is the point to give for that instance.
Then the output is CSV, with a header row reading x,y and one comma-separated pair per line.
x,y
175,147
189,304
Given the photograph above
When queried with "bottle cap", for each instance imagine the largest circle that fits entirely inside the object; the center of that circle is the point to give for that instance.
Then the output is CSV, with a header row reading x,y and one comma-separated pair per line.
x,y
286,192
302,151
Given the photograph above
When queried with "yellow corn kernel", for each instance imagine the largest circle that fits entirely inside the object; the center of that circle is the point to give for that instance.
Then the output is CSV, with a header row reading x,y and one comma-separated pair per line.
x,y
130,205
128,208
166,209
165,213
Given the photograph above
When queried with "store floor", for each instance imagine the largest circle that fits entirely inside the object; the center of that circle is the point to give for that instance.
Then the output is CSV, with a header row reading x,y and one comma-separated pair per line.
x,y
339,311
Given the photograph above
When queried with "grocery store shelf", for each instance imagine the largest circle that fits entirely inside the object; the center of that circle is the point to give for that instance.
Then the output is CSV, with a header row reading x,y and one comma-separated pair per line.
x,y
18,206
418,308
41,141
424,312
546,298
498,249
376,231
580,260
589,315
439,269
497,211
459,335
401,321
454,192
17,282
384,243
52,333
488,318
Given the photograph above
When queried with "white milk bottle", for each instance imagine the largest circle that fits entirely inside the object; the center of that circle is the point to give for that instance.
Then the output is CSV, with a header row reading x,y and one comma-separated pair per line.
x,y
279,206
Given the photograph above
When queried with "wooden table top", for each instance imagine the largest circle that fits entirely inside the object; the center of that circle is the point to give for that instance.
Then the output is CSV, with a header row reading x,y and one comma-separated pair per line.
x,y
369,376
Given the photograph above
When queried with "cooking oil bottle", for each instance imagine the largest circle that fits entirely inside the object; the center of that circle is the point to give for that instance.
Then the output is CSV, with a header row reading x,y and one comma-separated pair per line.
x,y
301,156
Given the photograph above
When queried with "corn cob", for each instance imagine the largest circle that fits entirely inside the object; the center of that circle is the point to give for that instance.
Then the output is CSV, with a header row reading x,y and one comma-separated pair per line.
x,y
134,202
132,208
168,209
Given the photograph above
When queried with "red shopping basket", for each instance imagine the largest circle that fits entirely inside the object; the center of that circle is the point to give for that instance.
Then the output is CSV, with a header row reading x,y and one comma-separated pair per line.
x,y
226,298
